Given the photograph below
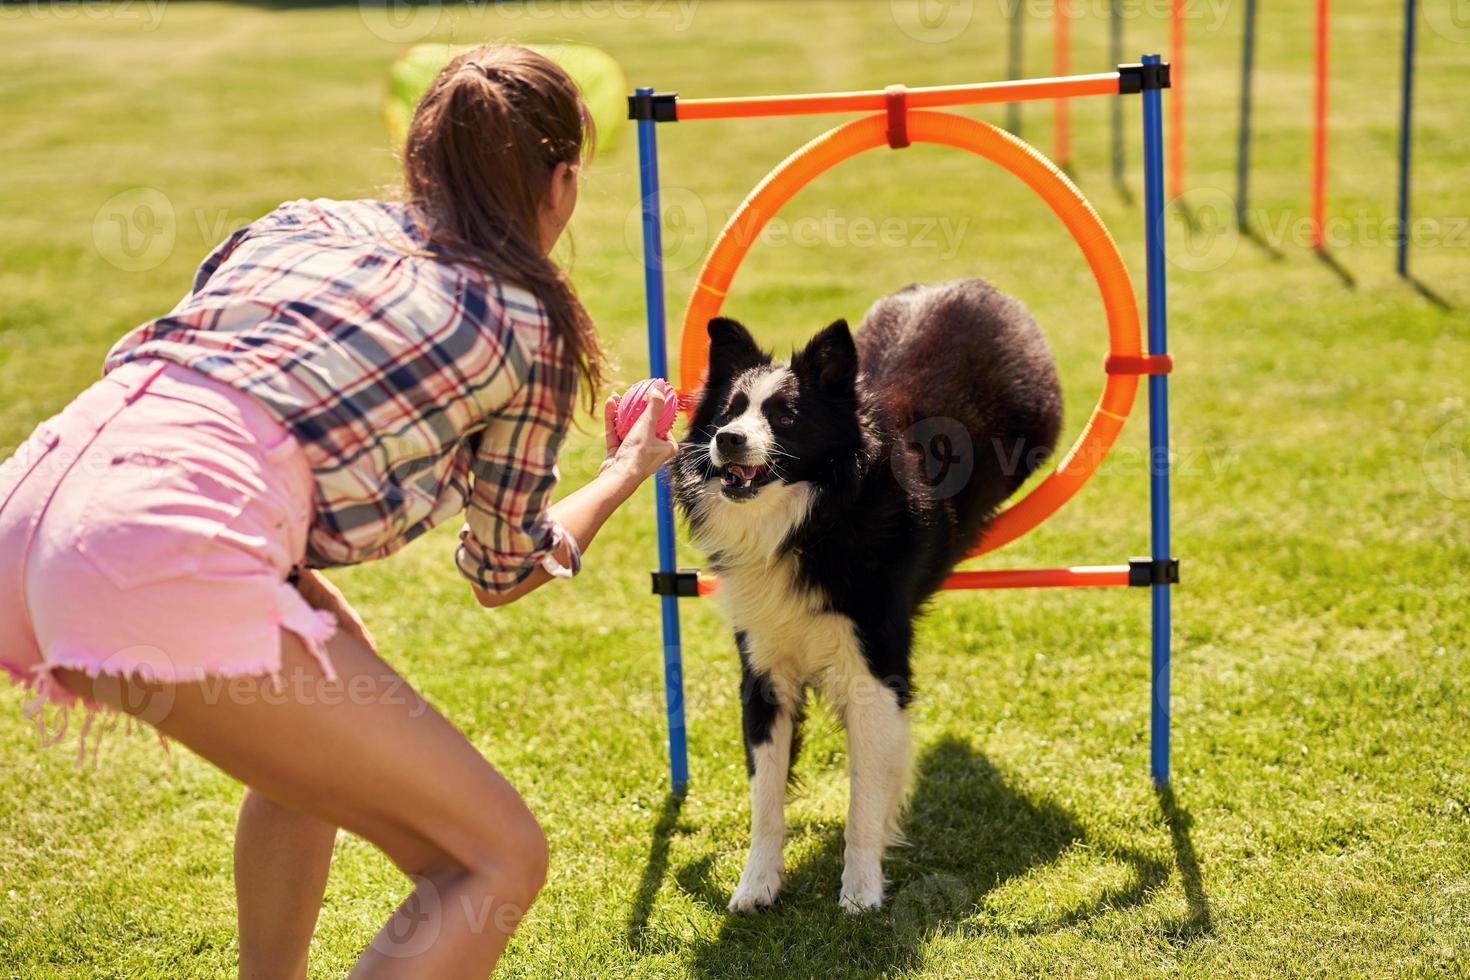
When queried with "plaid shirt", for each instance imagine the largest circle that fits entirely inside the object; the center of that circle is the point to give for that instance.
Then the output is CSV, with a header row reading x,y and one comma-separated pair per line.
x,y
418,388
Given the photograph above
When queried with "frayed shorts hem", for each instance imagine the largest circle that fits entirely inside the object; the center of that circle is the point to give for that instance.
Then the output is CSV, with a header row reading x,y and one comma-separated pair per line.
x,y
312,626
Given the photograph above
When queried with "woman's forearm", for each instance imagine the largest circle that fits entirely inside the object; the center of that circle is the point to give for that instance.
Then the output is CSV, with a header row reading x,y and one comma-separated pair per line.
x,y
582,513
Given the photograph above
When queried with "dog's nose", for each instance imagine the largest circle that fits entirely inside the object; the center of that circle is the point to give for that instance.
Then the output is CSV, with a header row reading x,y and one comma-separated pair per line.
x,y
726,440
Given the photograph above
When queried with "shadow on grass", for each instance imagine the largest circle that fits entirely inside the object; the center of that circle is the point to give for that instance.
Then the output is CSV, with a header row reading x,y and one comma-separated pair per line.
x,y
654,869
1251,234
312,4
1186,213
1338,269
970,832
1425,292
1198,921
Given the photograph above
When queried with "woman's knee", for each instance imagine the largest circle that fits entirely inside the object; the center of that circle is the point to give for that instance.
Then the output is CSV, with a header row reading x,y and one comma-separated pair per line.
x,y
537,858
516,856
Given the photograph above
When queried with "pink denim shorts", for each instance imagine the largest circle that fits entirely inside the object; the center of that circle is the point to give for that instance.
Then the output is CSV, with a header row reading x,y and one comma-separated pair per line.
x,y
147,531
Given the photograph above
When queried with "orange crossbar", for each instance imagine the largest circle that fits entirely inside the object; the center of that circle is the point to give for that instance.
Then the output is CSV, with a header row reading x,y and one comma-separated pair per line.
x,y
982,93
1037,578
1078,576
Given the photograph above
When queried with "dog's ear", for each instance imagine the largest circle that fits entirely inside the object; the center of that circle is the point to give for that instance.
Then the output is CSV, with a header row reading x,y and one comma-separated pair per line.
x,y
830,360
732,349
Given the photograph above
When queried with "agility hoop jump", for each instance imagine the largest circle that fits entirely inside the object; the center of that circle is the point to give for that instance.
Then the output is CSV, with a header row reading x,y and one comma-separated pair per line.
x,y
899,117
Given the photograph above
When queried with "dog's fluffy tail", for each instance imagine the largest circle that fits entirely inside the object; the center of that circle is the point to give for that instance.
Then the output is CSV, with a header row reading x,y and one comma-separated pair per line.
x,y
962,361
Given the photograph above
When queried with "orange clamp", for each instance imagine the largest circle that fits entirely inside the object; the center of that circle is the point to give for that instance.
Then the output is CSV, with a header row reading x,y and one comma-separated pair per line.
x,y
896,98
1139,363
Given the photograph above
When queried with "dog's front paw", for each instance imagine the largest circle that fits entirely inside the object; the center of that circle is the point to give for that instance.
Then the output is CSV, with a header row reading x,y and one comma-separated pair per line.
x,y
862,887
757,889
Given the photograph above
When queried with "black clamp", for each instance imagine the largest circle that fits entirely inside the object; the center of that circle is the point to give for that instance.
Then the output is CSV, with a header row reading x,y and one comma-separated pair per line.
x,y
1153,571
684,582
1136,78
658,106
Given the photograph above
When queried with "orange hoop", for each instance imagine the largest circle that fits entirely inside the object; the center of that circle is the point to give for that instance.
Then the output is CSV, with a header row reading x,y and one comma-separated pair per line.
x,y
1043,177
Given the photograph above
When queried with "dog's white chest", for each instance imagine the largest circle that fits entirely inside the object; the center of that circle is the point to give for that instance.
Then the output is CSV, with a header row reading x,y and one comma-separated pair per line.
x,y
789,636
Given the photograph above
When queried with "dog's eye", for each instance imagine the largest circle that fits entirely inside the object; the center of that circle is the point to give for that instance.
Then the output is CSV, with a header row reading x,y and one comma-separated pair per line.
x,y
785,420
732,409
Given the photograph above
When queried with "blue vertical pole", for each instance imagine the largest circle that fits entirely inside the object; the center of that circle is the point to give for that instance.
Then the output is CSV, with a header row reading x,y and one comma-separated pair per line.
x,y
1406,136
1243,144
1158,422
653,281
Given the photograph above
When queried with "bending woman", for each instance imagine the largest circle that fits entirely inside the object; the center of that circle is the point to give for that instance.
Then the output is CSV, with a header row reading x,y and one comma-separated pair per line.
x,y
342,377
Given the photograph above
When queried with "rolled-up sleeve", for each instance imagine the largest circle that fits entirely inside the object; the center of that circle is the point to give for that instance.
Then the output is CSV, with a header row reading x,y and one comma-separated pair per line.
x,y
507,528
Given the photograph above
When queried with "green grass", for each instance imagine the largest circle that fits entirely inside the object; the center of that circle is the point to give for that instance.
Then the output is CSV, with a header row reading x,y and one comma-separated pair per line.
x,y
1321,822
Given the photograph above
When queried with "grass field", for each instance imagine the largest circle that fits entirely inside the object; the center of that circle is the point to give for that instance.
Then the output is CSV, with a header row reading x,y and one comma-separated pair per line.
x,y
1320,822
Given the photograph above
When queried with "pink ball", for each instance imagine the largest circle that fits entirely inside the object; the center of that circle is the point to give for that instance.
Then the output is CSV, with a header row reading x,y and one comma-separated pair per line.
x,y
631,405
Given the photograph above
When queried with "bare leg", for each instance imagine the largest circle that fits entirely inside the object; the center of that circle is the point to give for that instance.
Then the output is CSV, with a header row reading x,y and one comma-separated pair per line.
x,y
367,753
282,856
281,861
768,724
879,750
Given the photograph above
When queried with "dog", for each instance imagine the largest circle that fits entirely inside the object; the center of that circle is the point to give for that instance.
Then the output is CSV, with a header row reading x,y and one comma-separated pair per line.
x,y
833,494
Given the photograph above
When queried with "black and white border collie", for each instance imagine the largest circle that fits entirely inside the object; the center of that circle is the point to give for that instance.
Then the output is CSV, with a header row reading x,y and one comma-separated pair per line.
x,y
833,495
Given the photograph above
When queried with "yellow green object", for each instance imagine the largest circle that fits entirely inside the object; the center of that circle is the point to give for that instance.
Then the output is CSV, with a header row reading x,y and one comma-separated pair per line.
x,y
596,73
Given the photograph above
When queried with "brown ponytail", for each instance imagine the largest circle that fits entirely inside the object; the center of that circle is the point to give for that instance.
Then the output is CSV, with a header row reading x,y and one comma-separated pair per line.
x,y
481,149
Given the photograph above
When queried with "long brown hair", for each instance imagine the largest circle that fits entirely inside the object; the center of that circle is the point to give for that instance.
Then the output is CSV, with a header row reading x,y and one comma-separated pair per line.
x,y
478,162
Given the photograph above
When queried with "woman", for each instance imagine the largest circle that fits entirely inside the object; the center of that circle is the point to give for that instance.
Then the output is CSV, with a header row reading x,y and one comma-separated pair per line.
x,y
342,377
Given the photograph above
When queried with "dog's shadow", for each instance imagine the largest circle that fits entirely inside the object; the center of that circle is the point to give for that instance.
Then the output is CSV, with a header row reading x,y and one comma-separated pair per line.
x,y
969,833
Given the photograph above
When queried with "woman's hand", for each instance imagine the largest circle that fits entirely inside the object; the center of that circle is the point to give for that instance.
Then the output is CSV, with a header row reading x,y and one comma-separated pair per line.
x,y
582,513
641,454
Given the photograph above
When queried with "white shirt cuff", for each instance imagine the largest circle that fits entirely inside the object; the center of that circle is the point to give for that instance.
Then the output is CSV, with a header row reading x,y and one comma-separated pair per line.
x,y
555,568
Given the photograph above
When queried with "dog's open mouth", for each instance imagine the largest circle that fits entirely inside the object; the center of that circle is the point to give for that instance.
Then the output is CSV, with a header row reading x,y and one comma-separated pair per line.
x,y
739,482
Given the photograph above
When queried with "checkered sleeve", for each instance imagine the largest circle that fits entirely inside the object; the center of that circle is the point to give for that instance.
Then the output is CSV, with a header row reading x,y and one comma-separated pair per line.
x,y
507,529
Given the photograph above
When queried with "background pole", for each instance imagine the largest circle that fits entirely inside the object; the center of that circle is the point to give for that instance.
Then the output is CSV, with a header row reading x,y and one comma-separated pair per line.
x,y
1158,424
1406,136
1243,146
1319,132
1015,59
1176,99
653,281
1115,57
1061,37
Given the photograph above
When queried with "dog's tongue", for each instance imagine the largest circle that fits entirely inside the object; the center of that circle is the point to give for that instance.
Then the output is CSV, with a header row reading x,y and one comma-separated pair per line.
x,y
747,472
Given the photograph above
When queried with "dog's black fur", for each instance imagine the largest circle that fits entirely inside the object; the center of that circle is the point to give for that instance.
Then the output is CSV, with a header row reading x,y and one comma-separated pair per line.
x,y
861,421
876,543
